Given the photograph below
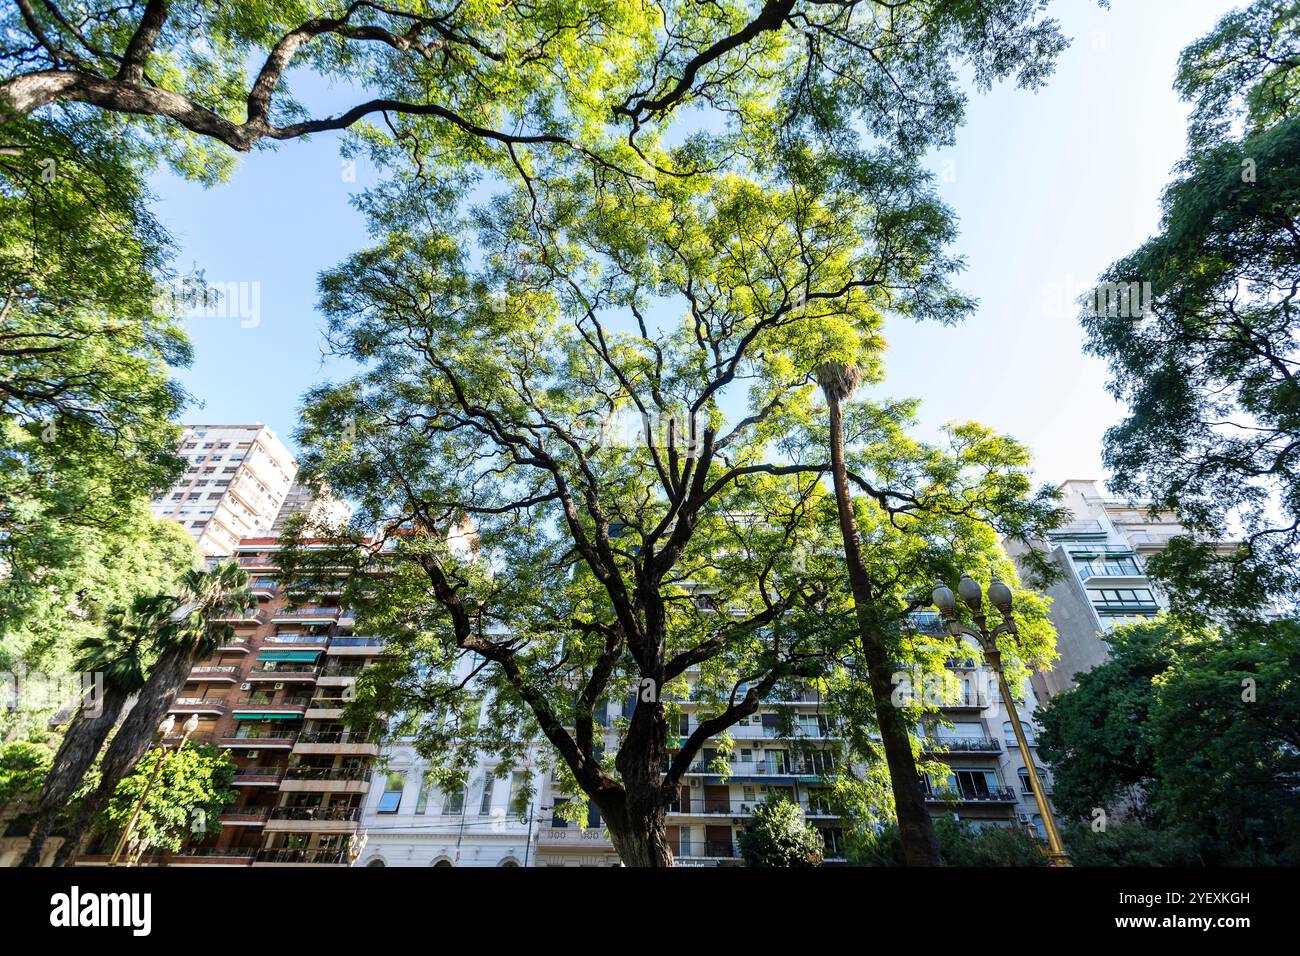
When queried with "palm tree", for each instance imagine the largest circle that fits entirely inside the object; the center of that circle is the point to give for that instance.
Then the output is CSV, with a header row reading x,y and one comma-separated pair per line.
x,y
119,656
190,633
916,829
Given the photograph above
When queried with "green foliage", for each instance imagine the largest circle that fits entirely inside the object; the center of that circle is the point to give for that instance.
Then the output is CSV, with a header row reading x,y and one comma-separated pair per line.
x,y
190,792
23,766
85,398
1121,737
961,842
778,835
1208,373
1131,844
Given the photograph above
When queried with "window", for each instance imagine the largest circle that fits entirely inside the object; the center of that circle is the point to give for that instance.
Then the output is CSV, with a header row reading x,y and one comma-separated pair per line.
x,y
518,792
1009,734
485,805
454,802
392,795
422,801
1023,773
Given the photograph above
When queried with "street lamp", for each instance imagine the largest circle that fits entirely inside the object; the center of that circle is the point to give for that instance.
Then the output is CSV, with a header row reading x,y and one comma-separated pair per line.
x,y
999,595
164,730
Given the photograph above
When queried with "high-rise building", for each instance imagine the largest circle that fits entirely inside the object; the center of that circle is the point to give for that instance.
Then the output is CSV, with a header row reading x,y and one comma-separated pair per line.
x,y
322,509
273,696
236,480
788,748
1102,554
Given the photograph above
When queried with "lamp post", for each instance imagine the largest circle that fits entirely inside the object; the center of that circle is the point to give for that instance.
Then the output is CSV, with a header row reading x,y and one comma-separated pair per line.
x,y
1000,597
164,729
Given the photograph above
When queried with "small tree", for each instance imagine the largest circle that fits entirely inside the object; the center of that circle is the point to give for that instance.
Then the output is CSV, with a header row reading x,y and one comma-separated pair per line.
x,y
778,835
191,791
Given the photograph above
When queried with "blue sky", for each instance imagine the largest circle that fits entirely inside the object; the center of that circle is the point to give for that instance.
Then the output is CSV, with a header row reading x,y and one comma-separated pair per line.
x,y
1049,188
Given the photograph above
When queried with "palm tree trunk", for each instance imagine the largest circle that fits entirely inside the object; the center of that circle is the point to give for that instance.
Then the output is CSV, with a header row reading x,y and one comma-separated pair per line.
x,y
81,745
916,829
135,737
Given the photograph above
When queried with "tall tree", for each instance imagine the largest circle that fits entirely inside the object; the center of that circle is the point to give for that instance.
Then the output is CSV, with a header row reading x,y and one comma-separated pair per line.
x,y
920,845
121,658
191,631
495,398
1207,363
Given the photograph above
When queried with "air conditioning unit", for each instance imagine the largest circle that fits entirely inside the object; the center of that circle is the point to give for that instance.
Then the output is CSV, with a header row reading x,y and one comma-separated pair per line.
x,y
1023,817
245,686
280,685
254,754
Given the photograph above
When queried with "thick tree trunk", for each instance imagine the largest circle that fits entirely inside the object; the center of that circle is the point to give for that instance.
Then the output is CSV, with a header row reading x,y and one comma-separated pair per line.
x,y
636,825
132,741
81,745
916,829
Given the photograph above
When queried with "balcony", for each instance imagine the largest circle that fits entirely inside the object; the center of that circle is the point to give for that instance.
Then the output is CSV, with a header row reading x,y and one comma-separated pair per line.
x,y
736,808
573,836
297,640
356,743
962,745
258,739
215,707
245,817
299,674
258,776
211,672
972,795
294,704
286,857
308,615
708,850
322,780
314,819
326,708
245,617
751,768
355,647
236,644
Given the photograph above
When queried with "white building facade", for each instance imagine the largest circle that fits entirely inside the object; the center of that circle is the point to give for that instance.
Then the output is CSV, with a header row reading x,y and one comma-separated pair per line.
x,y
236,480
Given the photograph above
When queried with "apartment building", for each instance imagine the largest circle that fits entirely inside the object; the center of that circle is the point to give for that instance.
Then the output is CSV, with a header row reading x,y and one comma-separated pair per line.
x,y
235,483
788,748
988,780
1102,553
273,696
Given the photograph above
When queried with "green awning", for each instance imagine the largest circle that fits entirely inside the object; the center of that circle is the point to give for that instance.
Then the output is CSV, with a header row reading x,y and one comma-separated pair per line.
x,y
288,655
242,715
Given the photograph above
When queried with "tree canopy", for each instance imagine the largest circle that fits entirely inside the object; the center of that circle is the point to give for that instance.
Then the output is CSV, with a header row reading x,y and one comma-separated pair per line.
x,y
1208,371
1193,730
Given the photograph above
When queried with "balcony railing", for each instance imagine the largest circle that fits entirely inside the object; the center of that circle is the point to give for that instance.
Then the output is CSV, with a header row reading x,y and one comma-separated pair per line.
x,y
245,815
301,857
258,774
325,613
970,795
738,808
214,669
744,768
245,734
707,848
963,745
317,814
326,773
253,701
357,642
335,737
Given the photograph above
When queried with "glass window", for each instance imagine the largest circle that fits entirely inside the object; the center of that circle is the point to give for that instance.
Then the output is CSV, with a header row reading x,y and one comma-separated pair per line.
x,y
454,802
391,798
485,805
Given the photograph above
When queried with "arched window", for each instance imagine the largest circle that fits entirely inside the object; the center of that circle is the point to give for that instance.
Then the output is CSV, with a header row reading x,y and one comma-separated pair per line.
x,y
376,862
443,863
508,862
